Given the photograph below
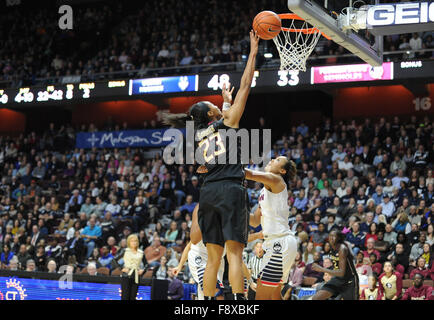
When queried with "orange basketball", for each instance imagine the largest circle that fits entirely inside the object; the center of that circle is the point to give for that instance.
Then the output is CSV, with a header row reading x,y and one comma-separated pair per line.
x,y
267,25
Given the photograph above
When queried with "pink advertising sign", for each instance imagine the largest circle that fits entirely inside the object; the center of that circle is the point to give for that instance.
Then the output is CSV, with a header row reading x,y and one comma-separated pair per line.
x,y
351,73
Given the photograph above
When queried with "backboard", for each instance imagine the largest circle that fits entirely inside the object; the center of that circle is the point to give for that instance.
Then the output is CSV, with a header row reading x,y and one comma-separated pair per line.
x,y
322,14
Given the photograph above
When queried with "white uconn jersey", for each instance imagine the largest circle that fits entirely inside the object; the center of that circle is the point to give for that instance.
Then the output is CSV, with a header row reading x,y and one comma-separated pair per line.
x,y
275,212
280,244
197,258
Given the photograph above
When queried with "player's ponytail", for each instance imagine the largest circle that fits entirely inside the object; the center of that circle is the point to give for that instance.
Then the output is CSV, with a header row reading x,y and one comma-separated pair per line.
x,y
197,113
175,120
290,171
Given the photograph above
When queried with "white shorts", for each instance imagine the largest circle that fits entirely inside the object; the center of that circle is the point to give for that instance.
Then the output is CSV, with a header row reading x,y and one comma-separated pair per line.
x,y
197,265
278,259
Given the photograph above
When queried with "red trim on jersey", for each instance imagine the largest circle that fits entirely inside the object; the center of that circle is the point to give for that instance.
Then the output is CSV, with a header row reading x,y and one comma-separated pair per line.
x,y
271,284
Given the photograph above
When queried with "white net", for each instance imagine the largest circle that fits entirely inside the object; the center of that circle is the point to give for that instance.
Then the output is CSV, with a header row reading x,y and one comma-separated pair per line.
x,y
295,44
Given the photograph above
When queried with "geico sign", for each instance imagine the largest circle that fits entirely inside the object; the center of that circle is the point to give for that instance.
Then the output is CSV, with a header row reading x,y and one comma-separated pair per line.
x,y
400,13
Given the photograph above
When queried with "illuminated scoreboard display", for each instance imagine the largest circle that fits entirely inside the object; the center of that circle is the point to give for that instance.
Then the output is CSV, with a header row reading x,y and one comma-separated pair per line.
x,y
61,93
263,80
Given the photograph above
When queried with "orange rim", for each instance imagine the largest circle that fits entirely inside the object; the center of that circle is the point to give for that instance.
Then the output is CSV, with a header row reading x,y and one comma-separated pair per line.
x,y
293,16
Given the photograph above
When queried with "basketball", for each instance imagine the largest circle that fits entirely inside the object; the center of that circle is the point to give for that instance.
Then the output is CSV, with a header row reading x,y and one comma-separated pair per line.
x,y
267,25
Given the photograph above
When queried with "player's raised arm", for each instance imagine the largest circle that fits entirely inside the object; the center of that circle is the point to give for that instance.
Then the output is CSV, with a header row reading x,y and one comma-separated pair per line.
x,y
233,115
268,179
184,258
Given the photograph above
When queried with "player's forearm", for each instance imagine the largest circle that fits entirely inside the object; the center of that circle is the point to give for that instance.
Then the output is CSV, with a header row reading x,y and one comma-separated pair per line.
x,y
255,236
184,256
335,273
249,71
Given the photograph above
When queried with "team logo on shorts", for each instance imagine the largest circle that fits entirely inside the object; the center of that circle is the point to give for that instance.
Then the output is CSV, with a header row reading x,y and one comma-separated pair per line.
x,y
277,247
198,260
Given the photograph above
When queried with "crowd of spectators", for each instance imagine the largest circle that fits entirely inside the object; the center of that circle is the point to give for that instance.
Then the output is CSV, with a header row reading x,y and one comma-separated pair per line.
x,y
68,206
110,36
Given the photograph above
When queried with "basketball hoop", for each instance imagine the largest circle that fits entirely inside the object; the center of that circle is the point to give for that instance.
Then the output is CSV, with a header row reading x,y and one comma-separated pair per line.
x,y
296,43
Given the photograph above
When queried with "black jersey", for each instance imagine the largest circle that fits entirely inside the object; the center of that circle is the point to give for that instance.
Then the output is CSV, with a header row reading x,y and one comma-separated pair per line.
x,y
350,270
218,151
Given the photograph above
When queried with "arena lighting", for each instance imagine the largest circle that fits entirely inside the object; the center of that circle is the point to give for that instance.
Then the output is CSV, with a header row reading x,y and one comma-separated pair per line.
x,y
268,55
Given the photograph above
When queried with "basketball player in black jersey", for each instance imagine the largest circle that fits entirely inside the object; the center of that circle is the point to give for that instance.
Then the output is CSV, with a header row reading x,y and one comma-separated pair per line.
x,y
223,215
344,281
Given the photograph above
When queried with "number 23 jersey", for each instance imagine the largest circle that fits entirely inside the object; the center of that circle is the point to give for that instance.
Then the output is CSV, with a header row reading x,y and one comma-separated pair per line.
x,y
217,151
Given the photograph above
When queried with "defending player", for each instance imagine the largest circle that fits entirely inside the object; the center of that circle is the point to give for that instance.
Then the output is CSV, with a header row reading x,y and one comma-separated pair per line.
x,y
196,254
280,244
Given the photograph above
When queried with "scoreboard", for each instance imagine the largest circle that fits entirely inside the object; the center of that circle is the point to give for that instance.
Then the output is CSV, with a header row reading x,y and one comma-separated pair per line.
x,y
263,80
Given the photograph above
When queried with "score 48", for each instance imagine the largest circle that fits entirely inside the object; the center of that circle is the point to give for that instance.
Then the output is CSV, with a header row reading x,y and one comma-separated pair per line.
x,y
217,81
288,78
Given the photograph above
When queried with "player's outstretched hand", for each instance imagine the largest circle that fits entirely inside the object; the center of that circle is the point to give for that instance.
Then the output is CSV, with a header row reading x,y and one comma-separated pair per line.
x,y
254,41
176,271
227,92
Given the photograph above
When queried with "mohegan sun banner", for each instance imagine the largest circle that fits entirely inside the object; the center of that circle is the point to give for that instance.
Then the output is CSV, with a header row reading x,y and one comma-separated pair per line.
x,y
122,139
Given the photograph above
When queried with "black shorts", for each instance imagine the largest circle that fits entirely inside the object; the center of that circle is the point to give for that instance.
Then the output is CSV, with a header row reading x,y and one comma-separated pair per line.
x,y
223,213
347,289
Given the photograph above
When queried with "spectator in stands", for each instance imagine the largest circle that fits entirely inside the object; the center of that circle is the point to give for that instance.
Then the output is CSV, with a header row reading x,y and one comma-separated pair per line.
x,y
427,254
188,206
355,238
75,246
309,272
53,250
417,248
154,252
160,272
401,223
390,283
295,276
176,289
66,224
30,265
92,269
6,255
370,249
418,291
51,266
399,254
91,233
308,254
106,257
371,292
421,268
387,206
